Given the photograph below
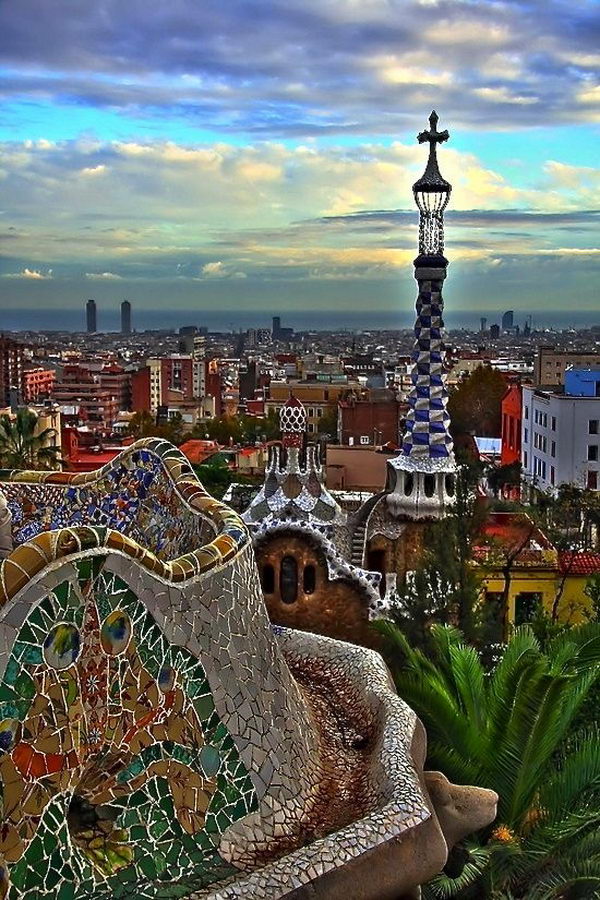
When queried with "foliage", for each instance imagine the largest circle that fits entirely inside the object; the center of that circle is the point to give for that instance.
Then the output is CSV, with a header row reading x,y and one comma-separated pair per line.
x,y
328,423
508,731
504,476
445,587
22,446
238,429
475,406
142,424
216,476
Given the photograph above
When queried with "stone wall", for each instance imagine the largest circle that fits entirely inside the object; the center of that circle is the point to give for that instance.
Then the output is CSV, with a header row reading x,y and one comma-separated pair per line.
x,y
338,609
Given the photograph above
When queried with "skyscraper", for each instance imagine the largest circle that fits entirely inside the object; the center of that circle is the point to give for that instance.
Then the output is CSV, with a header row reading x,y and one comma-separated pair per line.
x,y
276,329
90,316
125,317
508,320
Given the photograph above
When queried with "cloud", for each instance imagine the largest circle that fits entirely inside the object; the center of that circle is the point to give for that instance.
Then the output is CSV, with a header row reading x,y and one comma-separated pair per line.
x,y
221,212
219,270
32,274
103,276
214,269
306,67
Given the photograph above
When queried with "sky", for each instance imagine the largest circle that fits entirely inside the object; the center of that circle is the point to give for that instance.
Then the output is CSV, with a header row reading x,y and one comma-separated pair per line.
x,y
257,156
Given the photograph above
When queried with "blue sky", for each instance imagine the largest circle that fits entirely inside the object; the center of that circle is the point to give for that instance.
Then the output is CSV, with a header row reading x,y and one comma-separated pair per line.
x,y
154,151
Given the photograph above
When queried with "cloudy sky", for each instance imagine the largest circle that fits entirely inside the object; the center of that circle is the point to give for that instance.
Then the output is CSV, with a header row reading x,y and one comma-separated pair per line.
x,y
257,155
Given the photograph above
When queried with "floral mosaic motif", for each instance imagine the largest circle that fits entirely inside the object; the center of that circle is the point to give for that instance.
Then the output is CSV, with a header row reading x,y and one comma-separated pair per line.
x,y
117,776
134,496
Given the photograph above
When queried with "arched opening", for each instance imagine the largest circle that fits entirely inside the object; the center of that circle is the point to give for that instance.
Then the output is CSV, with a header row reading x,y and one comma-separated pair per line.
x,y
309,579
450,486
429,485
268,579
288,579
376,563
408,483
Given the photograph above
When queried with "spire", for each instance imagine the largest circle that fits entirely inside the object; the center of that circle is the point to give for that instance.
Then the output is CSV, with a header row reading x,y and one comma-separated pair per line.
x,y
421,477
293,489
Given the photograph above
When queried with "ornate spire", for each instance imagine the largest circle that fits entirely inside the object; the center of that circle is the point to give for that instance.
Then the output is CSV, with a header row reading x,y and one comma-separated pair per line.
x,y
432,193
294,487
421,477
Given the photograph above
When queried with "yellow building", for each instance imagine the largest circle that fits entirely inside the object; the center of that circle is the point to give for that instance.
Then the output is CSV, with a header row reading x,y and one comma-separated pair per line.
x,y
519,560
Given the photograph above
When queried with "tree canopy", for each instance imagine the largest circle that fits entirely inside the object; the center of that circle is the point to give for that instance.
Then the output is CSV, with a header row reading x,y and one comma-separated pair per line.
x,y
475,406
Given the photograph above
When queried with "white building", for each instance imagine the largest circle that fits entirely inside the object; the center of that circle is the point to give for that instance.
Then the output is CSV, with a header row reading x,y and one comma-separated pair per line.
x,y
560,439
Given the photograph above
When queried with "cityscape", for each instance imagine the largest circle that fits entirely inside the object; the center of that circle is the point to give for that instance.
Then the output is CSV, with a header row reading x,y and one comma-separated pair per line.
x,y
300,452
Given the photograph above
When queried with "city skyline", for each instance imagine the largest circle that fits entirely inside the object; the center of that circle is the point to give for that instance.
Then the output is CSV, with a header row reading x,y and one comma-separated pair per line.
x,y
260,159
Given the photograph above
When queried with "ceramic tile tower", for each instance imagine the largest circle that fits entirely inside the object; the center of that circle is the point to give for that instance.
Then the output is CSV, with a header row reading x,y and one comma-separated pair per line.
x,y
421,478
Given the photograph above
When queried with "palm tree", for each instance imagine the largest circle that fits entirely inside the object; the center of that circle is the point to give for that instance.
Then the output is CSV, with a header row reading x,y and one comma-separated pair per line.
x,y
511,730
22,446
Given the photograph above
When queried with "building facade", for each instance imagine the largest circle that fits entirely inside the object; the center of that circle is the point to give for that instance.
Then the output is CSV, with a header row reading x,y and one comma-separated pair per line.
x,y
512,405
561,438
12,377
38,383
551,364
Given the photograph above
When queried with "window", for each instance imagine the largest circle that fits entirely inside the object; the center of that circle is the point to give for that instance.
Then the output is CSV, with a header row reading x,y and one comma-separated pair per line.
x,y
309,579
553,423
553,448
527,605
592,480
552,475
311,427
525,458
526,435
526,412
310,412
429,485
268,579
408,484
593,452
288,579
319,412
593,426
364,439
450,485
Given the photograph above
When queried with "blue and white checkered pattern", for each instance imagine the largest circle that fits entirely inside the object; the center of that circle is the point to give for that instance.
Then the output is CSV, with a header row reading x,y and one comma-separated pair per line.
x,y
427,432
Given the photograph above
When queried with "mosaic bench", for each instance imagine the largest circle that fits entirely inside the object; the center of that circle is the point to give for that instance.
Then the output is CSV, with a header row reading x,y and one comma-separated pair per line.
x,y
158,738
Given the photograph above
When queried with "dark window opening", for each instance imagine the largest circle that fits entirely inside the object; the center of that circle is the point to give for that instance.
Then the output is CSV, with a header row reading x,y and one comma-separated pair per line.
x,y
288,579
527,605
429,485
376,563
268,579
309,579
450,485
408,484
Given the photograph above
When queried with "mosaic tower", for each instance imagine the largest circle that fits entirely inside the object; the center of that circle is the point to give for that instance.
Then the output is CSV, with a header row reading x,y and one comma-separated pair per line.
x,y
421,478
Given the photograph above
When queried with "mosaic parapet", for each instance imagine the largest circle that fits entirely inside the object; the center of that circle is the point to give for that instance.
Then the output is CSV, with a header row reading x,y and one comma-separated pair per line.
x,y
148,502
375,720
157,738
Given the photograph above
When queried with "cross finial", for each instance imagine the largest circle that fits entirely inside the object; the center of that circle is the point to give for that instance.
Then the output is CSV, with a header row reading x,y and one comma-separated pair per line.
x,y
433,135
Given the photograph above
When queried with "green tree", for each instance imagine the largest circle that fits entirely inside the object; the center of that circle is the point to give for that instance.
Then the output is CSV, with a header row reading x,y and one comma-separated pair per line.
x,y
511,731
142,424
475,406
23,446
445,587
328,423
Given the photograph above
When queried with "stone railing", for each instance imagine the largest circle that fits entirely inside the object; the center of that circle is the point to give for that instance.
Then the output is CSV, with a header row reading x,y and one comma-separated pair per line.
x,y
157,738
